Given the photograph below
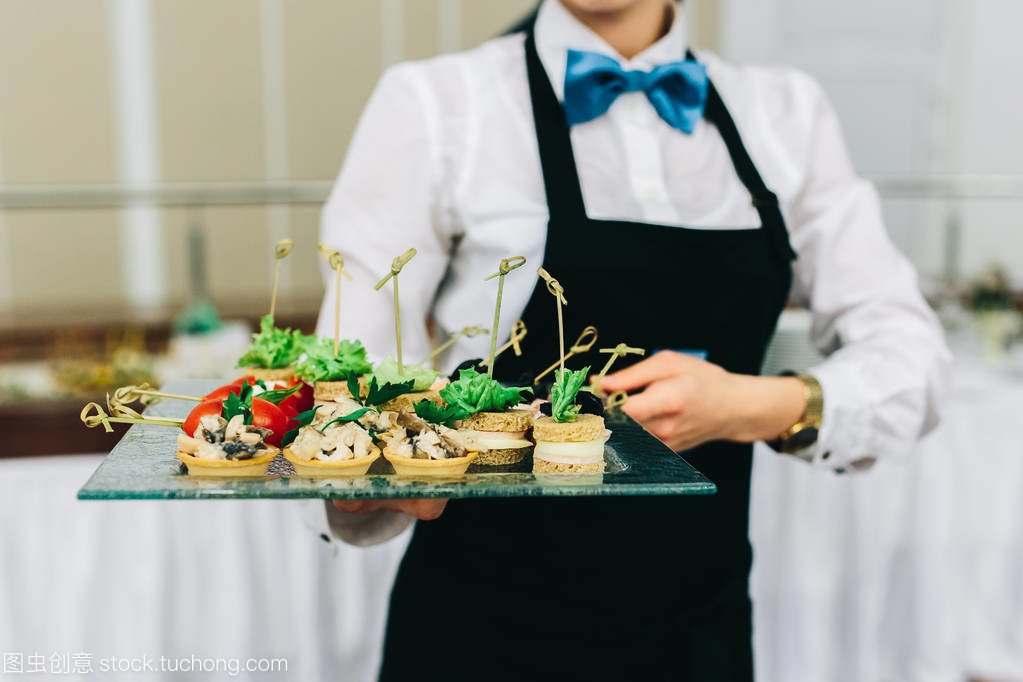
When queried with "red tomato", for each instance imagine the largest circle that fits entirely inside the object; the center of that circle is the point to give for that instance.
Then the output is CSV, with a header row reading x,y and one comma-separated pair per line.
x,y
268,415
204,408
264,413
303,397
300,401
224,391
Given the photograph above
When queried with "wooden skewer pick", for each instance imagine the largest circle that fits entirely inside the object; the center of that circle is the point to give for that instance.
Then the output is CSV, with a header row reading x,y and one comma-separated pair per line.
x,y
518,333
337,264
617,399
554,286
619,351
466,332
130,394
280,251
396,265
101,418
506,266
581,345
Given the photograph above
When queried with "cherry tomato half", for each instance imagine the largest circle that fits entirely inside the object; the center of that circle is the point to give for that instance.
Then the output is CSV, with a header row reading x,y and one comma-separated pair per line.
x,y
268,415
206,407
264,413
302,399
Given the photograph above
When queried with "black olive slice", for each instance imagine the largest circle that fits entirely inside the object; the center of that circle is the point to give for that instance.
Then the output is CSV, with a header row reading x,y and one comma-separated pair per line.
x,y
590,404
466,364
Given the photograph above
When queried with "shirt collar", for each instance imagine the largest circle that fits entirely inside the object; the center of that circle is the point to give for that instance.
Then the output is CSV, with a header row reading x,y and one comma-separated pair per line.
x,y
557,31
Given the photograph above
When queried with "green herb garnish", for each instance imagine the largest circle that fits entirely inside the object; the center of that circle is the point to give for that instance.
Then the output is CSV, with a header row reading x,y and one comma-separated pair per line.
x,y
321,364
387,372
347,418
377,394
241,402
273,348
234,405
566,387
302,419
475,392
439,414
277,396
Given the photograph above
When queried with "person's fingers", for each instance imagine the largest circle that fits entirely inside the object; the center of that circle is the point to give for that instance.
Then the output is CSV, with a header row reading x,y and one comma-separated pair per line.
x,y
656,400
424,510
350,506
429,509
658,366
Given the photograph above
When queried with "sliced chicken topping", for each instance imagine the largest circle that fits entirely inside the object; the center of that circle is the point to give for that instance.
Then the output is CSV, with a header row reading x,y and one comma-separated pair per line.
x,y
339,442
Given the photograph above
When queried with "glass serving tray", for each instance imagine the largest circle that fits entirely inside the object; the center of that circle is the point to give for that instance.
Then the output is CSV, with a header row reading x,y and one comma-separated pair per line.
x,y
144,465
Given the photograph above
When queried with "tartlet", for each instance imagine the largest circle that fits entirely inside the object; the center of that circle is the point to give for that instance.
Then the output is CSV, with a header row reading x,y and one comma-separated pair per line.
x,y
409,466
415,447
356,466
225,448
333,447
255,467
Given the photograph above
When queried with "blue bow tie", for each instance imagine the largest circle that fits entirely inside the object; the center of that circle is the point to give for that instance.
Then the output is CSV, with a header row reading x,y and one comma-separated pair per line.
x,y
677,91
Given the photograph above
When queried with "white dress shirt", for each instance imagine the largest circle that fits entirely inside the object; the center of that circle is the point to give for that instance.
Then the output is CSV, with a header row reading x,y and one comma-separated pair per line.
x,y
445,159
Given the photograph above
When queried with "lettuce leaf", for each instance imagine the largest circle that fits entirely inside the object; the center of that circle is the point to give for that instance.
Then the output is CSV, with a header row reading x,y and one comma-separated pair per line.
x,y
566,387
272,348
320,363
386,372
475,392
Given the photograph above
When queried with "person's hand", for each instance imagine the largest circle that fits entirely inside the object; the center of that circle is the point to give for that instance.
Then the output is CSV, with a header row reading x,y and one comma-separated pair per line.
x,y
686,401
424,509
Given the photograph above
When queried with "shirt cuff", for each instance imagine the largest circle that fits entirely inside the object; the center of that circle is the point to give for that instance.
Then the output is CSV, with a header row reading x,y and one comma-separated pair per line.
x,y
843,440
365,530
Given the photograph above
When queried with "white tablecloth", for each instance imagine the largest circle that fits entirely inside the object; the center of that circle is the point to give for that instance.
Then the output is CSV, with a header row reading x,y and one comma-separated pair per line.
x,y
913,571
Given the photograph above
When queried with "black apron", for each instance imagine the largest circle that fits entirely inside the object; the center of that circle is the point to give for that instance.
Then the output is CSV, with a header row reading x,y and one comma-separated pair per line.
x,y
596,588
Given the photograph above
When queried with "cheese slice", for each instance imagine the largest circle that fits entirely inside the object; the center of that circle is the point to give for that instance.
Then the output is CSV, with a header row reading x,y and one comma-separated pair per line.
x,y
496,440
572,453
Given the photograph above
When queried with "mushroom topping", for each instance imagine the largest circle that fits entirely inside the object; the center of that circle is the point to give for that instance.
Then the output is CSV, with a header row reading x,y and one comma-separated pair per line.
x,y
209,451
211,428
339,442
250,438
234,426
427,445
453,441
307,443
334,446
218,438
188,445
412,422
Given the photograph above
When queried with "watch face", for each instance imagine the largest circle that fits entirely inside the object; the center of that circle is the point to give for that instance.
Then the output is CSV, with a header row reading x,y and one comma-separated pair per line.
x,y
803,439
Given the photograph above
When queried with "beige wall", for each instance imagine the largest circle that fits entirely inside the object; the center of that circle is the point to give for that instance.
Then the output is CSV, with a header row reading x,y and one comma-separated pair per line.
x,y
58,124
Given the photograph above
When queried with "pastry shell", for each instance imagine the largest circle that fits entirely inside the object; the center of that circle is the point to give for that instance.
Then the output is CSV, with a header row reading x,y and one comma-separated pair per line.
x,y
320,469
228,468
410,466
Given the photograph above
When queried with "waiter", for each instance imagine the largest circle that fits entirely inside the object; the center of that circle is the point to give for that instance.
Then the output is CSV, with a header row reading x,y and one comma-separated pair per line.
x,y
681,201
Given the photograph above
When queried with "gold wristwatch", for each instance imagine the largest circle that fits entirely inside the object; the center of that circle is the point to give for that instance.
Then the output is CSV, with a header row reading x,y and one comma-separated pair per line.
x,y
803,433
